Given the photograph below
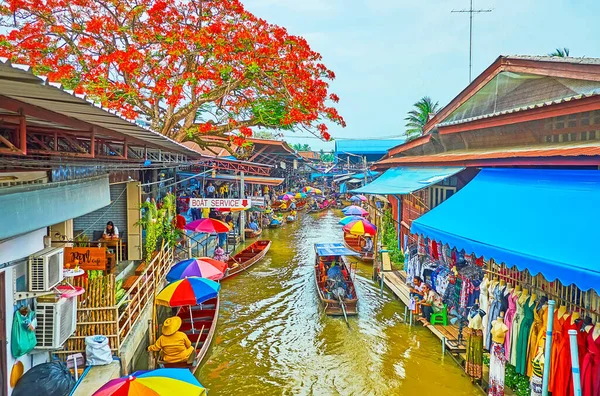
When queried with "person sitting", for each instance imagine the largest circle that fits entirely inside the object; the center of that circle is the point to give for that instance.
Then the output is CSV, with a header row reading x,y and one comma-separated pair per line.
x,y
175,345
283,206
110,232
417,290
293,213
427,304
368,244
220,254
293,205
253,226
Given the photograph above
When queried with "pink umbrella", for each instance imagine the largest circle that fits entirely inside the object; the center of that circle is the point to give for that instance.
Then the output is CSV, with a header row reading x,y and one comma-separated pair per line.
x,y
362,198
209,226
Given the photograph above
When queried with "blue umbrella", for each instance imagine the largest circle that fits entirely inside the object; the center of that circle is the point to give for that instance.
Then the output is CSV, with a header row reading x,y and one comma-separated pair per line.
x,y
354,211
349,219
355,198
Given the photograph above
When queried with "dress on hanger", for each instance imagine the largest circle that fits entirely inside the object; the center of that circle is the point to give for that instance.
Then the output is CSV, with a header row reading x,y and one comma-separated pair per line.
x,y
494,311
590,373
514,332
561,359
508,320
474,356
522,341
566,368
497,359
483,302
538,329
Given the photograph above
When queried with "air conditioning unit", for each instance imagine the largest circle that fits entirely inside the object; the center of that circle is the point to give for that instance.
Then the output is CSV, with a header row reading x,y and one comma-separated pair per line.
x,y
56,322
45,269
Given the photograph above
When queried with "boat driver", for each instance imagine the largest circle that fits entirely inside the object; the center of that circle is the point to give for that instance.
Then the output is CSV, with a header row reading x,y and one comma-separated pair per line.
x,y
175,345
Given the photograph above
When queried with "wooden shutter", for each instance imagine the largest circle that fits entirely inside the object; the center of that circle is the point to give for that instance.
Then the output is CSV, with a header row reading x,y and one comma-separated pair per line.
x,y
134,232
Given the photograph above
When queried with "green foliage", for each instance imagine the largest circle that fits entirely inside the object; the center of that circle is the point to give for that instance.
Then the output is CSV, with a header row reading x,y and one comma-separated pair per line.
x,y
560,52
327,157
271,113
301,147
390,240
517,382
424,109
159,224
81,240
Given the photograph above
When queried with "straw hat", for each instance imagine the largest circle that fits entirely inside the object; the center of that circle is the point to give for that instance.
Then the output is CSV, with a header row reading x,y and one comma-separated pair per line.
x,y
367,235
171,325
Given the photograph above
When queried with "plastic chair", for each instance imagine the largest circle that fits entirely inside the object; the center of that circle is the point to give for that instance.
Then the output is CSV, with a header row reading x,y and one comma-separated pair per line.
x,y
440,317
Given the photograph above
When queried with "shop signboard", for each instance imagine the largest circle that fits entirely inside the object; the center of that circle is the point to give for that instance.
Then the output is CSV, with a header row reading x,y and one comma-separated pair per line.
x,y
218,203
88,258
257,201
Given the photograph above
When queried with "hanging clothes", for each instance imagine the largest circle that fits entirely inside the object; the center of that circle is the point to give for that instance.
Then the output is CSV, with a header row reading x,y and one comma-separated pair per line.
x,y
523,339
474,358
590,373
538,329
509,319
558,354
497,370
561,362
494,312
483,303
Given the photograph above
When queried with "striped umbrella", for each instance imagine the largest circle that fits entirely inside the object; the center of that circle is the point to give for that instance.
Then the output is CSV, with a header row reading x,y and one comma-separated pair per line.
x,y
188,291
204,267
300,195
166,381
209,226
360,227
349,219
354,211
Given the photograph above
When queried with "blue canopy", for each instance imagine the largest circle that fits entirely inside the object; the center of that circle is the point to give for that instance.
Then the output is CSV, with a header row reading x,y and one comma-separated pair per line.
x,y
333,249
405,180
541,220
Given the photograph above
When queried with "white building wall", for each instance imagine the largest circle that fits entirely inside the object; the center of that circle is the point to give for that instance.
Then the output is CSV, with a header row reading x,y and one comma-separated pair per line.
x,y
14,251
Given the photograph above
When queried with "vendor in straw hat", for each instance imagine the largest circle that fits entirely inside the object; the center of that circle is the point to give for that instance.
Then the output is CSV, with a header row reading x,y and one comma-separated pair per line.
x,y
368,243
174,344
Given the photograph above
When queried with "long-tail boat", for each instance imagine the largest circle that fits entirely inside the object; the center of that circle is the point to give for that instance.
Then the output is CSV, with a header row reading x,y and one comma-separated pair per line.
x,y
247,257
250,233
335,286
198,322
352,242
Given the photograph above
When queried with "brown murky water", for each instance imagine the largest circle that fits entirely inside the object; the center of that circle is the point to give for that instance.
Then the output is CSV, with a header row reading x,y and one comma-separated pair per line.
x,y
273,338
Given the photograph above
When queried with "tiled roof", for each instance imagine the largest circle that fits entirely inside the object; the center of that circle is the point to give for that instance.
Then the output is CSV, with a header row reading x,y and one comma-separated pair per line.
x,y
557,59
550,150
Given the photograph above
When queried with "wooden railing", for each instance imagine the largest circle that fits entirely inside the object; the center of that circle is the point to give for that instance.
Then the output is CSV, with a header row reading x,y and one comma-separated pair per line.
x,y
116,321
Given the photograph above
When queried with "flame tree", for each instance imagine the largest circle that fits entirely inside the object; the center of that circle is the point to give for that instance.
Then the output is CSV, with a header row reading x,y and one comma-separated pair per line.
x,y
191,68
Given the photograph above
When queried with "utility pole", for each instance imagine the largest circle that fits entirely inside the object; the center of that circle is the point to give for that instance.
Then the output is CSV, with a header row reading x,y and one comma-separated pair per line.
x,y
242,213
471,11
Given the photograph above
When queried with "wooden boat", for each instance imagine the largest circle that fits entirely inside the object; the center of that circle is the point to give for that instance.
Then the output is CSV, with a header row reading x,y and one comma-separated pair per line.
x,y
204,318
324,208
247,257
291,219
250,233
278,224
339,306
300,205
353,242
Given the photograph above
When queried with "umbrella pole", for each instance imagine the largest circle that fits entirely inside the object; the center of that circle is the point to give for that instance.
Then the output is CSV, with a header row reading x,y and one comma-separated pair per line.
x,y
192,319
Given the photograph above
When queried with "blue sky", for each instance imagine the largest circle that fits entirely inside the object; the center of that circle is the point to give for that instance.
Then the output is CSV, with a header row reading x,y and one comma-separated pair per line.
x,y
389,53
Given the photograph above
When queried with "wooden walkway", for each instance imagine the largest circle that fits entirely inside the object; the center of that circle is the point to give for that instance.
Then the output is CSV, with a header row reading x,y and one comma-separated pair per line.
x,y
395,282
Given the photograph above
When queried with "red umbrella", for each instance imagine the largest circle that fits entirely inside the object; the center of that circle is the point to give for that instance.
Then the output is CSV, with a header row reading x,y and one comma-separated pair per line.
x,y
209,226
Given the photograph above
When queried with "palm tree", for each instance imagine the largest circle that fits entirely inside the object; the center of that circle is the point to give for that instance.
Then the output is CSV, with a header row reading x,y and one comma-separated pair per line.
x,y
560,52
417,118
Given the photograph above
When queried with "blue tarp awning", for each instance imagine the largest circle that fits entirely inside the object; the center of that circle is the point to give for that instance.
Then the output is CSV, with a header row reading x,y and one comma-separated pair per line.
x,y
333,249
405,180
534,219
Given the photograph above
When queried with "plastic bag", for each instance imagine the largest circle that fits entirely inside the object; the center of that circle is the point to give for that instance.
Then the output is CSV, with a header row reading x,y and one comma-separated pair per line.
x,y
48,379
97,350
23,338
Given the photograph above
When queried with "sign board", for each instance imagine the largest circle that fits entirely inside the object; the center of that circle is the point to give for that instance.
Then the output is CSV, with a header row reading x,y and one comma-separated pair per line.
x,y
257,201
218,203
90,258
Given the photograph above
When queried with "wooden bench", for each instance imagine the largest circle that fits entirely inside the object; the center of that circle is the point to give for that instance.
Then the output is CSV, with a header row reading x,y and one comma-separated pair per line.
x,y
128,284
140,269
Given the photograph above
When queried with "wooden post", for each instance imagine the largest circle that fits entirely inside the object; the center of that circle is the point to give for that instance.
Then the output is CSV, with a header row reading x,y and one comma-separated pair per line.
x,y
23,135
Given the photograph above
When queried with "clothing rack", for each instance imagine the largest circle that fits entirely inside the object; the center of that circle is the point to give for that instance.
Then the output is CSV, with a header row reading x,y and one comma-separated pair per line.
x,y
587,303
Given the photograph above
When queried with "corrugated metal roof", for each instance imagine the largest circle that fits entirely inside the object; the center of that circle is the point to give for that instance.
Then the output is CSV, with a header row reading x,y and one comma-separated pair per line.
x,y
18,82
365,146
551,150
557,59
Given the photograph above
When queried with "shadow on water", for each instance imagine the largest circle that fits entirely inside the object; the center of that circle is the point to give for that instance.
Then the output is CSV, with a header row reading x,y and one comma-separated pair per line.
x,y
273,338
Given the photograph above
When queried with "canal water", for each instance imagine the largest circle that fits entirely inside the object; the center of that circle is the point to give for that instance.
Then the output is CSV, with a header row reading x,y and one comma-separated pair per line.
x,y
274,339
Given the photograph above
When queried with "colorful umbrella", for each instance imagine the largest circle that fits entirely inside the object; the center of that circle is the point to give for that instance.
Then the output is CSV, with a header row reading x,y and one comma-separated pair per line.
x,y
362,198
349,219
231,209
188,291
166,381
201,267
307,189
300,195
316,191
210,226
354,211
287,197
355,198
360,227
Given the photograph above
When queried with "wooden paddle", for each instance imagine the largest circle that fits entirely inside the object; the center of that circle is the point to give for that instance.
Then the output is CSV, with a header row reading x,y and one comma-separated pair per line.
x,y
199,336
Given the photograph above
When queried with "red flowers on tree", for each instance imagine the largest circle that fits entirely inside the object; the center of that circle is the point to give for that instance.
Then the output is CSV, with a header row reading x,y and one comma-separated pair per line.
x,y
192,67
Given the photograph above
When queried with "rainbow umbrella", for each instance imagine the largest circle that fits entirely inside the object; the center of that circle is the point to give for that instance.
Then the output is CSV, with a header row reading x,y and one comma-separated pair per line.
x,y
349,219
166,381
354,210
209,226
188,291
307,189
360,227
287,197
201,267
362,198
300,195
316,191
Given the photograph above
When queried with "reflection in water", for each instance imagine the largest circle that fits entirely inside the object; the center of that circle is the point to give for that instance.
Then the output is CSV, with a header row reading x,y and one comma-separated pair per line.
x,y
273,338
